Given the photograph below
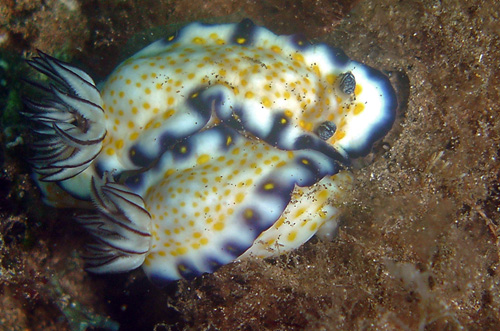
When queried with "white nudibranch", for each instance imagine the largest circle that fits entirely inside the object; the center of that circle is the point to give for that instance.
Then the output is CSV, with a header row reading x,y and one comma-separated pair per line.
x,y
213,144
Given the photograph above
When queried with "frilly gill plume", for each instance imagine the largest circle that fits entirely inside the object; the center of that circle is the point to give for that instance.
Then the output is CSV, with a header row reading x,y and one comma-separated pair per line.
x,y
69,120
121,225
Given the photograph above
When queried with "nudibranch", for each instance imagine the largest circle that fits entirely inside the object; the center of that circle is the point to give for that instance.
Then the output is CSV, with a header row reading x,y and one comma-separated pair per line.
x,y
210,145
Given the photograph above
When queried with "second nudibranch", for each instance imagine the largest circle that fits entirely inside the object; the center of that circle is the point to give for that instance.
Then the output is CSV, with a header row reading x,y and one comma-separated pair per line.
x,y
217,142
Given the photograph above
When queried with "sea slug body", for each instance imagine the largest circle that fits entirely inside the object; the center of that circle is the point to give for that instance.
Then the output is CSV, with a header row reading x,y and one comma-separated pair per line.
x,y
215,143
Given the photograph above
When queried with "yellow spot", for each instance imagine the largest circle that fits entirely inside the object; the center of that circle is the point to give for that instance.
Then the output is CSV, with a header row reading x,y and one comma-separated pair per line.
x,y
110,151
239,197
249,95
241,40
198,41
183,149
266,102
298,57
219,226
168,173
283,120
248,214
134,136
338,135
305,125
228,140
276,49
299,212
168,114
323,195
270,241
197,235
146,105
119,144
203,241
147,90
268,186
358,108
191,76
358,89
316,70
292,235
331,78
182,250
305,161
204,158
128,81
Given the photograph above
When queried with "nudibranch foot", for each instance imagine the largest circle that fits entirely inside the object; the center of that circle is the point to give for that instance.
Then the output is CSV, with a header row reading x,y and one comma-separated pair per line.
x,y
121,225
69,121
